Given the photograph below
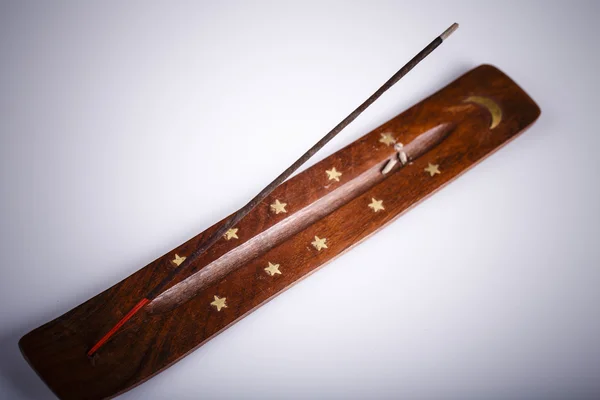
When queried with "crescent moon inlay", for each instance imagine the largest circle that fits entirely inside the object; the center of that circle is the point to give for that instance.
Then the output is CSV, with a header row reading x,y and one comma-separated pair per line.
x,y
490,105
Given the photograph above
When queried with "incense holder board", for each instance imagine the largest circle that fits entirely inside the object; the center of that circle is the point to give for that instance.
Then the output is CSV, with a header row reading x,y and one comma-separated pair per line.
x,y
306,222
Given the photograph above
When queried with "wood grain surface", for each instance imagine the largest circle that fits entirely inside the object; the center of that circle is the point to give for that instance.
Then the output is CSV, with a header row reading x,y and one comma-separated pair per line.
x,y
338,212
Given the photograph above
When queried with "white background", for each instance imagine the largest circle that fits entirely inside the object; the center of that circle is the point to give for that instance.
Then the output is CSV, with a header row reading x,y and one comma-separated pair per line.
x,y
126,128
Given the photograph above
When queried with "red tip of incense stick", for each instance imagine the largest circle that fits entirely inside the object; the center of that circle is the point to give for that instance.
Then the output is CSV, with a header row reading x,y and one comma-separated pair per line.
x,y
119,324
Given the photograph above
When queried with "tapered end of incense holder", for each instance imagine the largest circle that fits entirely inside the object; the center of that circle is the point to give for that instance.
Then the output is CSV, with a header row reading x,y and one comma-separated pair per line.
x,y
303,224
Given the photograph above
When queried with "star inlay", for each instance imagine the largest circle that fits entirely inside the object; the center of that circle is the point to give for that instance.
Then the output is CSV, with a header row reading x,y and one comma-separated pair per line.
x,y
219,303
387,139
333,175
319,244
178,260
376,205
278,207
231,234
273,269
433,169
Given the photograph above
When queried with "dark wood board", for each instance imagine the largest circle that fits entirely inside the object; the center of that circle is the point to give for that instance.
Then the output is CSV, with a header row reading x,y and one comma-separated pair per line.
x,y
477,114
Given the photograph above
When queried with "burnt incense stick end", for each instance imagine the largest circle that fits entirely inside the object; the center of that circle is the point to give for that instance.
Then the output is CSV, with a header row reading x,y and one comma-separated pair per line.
x,y
449,31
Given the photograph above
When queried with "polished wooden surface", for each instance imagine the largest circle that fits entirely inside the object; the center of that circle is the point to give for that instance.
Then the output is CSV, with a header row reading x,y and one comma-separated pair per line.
x,y
180,320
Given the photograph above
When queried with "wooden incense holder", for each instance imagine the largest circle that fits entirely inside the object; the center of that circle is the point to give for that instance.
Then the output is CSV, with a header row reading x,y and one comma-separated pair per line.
x,y
306,222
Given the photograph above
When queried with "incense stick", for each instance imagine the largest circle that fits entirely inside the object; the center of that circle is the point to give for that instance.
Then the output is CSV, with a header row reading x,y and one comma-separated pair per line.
x,y
242,212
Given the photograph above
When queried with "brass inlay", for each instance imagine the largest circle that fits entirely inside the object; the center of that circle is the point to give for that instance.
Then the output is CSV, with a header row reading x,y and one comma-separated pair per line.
x,y
219,303
319,244
493,108
178,260
433,169
387,139
278,207
273,269
231,234
376,205
333,175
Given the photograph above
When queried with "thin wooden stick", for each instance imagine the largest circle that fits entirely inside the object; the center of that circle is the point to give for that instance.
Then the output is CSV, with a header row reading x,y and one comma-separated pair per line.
x,y
242,212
